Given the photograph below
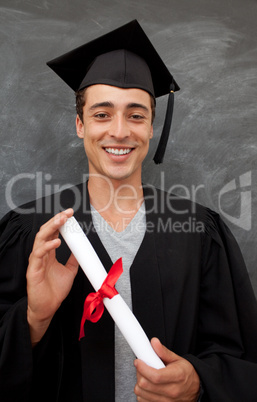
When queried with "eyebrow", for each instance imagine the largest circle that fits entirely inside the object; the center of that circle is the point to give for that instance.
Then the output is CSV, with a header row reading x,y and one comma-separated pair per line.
x,y
137,105
101,104
111,105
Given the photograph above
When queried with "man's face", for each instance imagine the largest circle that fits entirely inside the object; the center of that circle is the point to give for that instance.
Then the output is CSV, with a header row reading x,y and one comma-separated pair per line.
x,y
116,130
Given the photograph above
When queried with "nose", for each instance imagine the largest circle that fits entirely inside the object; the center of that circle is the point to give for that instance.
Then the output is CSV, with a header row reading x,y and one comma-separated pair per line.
x,y
119,128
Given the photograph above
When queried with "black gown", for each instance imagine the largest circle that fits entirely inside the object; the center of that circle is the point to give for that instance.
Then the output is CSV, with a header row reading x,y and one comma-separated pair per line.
x,y
190,288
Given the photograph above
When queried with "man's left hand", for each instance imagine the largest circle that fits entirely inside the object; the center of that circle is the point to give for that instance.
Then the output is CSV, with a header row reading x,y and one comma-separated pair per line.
x,y
178,381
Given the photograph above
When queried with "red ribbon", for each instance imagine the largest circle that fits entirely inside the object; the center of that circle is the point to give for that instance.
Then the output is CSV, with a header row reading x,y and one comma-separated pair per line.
x,y
93,306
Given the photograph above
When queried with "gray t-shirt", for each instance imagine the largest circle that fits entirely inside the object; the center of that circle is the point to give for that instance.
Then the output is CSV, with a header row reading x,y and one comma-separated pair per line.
x,y
123,244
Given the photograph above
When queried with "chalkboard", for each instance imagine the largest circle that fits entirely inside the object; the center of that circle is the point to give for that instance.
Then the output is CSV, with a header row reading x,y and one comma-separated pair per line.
x,y
209,46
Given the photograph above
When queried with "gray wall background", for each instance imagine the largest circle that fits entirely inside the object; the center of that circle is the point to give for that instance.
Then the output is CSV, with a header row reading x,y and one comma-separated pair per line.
x,y
209,46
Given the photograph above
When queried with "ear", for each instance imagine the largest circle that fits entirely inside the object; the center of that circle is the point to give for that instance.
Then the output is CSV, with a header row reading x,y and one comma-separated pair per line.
x,y
79,127
151,132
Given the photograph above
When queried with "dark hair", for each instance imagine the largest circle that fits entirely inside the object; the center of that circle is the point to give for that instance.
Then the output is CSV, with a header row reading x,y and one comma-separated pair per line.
x,y
81,101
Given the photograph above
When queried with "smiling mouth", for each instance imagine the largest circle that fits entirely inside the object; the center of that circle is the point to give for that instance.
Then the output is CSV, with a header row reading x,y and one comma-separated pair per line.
x,y
115,151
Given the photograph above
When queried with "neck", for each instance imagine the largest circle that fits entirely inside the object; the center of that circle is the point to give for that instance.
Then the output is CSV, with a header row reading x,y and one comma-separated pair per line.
x,y
113,197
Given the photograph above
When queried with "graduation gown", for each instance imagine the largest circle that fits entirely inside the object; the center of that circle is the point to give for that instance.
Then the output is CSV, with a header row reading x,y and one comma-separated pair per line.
x,y
190,288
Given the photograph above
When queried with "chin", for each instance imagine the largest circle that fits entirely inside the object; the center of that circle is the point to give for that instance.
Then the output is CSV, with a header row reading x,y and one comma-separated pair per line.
x,y
119,175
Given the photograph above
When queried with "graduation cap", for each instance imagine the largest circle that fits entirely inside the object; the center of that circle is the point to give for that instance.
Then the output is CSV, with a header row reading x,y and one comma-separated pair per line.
x,y
124,58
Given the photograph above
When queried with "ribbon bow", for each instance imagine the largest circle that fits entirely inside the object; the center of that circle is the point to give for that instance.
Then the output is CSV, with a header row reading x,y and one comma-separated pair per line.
x,y
93,305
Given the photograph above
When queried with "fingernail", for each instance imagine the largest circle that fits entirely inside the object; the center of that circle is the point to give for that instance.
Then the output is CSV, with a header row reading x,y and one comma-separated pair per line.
x,y
69,210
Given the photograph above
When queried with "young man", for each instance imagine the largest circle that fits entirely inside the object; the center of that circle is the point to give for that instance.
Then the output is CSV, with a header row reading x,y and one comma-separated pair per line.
x,y
189,289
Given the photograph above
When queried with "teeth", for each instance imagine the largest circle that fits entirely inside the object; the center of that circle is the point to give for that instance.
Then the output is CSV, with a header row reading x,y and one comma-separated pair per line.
x,y
118,151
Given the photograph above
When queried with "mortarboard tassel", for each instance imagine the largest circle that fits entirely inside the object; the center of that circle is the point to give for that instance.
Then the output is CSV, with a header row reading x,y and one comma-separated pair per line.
x,y
159,154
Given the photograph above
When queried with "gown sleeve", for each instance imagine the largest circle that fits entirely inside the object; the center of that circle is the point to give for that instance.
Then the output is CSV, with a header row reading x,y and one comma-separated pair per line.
x,y
20,367
227,340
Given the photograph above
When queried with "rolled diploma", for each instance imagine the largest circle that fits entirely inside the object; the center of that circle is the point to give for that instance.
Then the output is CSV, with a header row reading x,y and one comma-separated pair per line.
x,y
118,309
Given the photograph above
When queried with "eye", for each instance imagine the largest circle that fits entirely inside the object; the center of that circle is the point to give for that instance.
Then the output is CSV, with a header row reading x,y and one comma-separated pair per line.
x,y
136,116
101,115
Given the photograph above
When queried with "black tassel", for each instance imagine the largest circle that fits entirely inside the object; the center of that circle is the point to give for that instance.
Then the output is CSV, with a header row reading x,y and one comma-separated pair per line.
x,y
159,154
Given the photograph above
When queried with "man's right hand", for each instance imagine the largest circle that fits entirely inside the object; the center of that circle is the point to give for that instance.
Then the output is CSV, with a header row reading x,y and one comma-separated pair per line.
x,y
48,281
